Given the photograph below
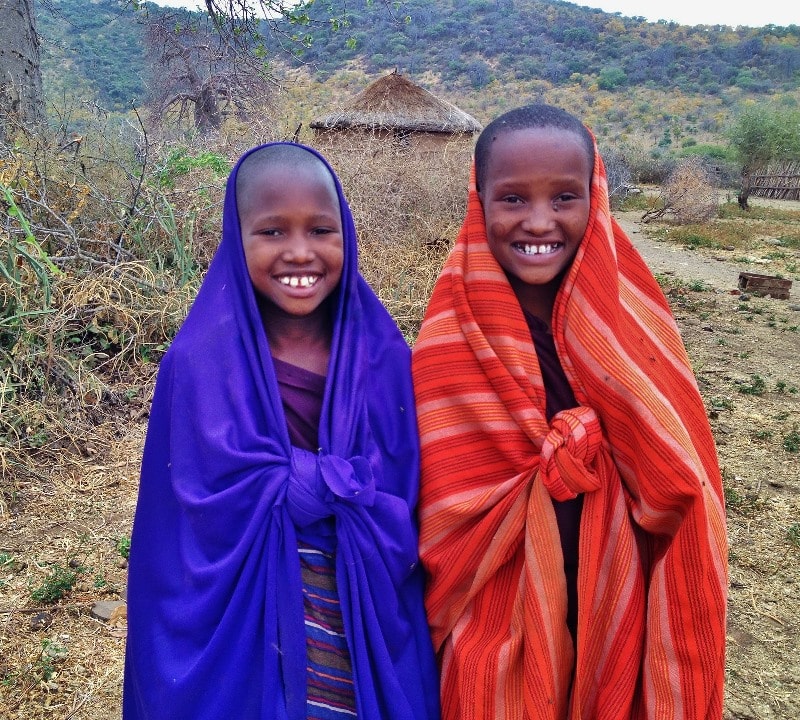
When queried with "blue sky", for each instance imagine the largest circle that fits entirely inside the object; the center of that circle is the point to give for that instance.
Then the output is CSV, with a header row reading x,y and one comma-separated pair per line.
x,y
686,12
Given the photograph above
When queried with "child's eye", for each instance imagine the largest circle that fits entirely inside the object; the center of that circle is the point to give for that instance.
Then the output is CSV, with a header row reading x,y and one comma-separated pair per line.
x,y
564,197
322,231
511,199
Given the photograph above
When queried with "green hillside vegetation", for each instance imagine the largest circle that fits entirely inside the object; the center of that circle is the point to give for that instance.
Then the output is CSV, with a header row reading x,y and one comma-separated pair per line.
x,y
653,91
93,49
466,46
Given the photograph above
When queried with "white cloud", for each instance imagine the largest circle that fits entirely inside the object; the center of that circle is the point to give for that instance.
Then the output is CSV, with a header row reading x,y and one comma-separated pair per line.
x,y
710,12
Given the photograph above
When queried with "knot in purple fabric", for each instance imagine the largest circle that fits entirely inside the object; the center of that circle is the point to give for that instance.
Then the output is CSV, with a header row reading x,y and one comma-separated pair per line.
x,y
569,447
318,482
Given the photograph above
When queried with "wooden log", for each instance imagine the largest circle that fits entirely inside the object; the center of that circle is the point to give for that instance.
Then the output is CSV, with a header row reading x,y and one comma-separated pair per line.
x,y
765,285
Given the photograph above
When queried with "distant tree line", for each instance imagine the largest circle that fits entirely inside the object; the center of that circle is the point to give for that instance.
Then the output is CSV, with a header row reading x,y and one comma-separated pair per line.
x,y
469,42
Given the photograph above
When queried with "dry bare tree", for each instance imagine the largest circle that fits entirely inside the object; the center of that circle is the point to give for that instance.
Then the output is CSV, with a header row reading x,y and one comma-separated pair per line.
x,y
200,78
689,195
618,175
249,21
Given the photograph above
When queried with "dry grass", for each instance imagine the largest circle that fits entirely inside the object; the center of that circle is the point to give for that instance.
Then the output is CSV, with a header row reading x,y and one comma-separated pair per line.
x,y
408,206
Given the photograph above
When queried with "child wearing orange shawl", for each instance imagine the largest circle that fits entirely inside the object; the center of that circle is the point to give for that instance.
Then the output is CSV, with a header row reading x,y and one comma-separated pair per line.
x,y
572,516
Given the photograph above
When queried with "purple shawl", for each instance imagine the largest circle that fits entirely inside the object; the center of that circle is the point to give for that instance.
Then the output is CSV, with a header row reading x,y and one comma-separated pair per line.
x,y
215,602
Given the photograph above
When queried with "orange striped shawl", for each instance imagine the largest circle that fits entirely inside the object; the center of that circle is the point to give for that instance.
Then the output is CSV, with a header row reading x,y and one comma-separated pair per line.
x,y
652,572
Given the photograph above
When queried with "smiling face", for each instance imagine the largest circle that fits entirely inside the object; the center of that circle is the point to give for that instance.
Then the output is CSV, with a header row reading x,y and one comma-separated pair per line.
x,y
292,237
535,196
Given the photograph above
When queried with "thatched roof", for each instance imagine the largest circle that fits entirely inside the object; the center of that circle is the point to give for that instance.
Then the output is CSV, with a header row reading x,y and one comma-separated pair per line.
x,y
395,103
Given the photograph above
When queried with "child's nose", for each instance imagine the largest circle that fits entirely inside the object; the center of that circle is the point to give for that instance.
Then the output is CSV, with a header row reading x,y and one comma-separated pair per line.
x,y
539,218
299,249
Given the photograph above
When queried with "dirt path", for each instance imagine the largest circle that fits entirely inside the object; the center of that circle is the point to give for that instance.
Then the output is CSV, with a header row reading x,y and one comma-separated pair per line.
x,y
715,270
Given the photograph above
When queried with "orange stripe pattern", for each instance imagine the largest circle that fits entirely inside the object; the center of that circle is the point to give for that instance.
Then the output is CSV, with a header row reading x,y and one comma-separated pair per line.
x,y
652,573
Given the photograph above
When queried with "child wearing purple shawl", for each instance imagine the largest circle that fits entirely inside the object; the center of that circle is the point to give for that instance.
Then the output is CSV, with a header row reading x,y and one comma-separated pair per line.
x,y
273,570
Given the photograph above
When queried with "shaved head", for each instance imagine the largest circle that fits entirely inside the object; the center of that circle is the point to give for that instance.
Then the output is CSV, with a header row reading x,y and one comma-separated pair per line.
x,y
258,163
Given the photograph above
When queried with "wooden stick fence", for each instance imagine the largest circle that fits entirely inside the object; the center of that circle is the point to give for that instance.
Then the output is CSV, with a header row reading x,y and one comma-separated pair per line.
x,y
780,182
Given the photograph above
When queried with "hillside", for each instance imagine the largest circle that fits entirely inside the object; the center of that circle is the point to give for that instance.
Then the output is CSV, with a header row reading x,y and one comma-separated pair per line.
x,y
463,47
469,43
92,50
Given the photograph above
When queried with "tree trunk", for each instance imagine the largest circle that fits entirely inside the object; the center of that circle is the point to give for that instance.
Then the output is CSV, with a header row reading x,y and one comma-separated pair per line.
x,y
207,116
744,193
21,99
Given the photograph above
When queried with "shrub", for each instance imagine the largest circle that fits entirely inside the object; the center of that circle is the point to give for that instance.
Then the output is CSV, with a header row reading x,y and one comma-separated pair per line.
x,y
55,586
690,194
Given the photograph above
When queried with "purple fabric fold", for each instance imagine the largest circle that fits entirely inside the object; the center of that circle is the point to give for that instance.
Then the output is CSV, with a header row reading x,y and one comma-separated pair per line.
x,y
215,602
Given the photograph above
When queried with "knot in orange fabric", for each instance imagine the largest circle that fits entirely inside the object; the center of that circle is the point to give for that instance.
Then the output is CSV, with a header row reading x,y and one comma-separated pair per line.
x,y
570,445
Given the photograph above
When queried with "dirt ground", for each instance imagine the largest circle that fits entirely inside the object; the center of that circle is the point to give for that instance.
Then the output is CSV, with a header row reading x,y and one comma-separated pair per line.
x,y
58,660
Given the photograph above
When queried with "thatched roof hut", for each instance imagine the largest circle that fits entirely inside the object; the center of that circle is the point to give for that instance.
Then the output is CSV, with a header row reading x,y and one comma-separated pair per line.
x,y
393,106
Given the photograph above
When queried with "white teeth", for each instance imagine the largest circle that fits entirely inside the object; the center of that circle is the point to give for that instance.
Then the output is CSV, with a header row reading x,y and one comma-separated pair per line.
x,y
538,249
294,281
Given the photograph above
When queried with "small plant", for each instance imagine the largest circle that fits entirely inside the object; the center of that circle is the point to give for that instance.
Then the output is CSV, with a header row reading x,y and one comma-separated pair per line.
x,y
693,241
733,498
25,252
743,501
793,534
180,162
9,680
782,386
51,653
791,443
763,435
123,546
56,585
757,386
